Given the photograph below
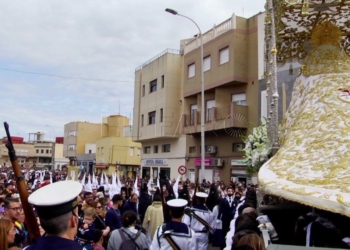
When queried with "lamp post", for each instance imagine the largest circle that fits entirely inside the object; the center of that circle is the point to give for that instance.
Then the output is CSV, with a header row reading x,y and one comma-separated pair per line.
x,y
171,11
53,148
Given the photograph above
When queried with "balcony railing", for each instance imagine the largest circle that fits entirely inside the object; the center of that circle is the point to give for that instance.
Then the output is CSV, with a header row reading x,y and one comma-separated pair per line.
x,y
212,34
225,117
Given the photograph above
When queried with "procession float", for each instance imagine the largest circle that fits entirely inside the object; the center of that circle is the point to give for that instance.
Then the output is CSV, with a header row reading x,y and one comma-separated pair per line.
x,y
310,167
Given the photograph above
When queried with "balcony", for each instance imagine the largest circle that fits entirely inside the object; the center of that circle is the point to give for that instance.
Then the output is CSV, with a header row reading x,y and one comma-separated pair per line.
x,y
226,118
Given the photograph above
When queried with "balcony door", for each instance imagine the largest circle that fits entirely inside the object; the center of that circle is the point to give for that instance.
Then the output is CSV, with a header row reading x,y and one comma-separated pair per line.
x,y
209,111
193,113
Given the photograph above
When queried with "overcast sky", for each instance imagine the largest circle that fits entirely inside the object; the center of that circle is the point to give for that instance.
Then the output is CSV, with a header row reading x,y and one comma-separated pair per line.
x,y
89,39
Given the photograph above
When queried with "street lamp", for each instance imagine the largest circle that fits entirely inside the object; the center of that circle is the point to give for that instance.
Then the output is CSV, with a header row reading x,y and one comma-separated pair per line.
x,y
174,12
53,148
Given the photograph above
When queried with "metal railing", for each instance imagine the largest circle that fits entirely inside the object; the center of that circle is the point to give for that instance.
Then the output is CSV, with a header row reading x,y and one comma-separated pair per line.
x,y
172,51
216,31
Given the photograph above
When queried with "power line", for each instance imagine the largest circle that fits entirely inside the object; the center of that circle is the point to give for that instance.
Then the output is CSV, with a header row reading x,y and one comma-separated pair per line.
x,y
59,76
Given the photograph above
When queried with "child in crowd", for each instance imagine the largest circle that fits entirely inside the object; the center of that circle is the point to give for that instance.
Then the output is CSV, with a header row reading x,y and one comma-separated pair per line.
x,y
86,231
98,240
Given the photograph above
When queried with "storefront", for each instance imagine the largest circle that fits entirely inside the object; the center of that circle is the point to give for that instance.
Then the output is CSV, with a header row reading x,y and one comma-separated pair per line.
x,y
238,171
154,168
212,169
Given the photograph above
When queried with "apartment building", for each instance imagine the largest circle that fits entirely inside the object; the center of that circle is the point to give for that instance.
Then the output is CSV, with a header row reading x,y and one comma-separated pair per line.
x,y
77,135
37,152
105,147
233,63
158,106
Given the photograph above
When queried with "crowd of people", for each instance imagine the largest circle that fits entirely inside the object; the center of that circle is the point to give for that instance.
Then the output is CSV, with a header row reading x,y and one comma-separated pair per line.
x,y
141,215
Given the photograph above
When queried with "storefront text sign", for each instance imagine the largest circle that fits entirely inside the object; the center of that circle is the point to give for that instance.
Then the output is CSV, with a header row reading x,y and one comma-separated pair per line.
x,y
241,162
207,162
155,162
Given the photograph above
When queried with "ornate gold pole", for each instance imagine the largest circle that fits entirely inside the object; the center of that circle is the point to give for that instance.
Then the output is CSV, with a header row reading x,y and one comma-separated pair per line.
x,y
268,69
273,77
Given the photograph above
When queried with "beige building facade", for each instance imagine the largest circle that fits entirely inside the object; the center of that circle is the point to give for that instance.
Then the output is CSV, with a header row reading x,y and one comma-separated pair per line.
x,y
158,106
38,154
233,64
76,135
109,143
118,154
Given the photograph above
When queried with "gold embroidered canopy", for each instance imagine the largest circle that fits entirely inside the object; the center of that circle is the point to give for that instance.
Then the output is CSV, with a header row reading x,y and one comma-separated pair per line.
x,y
312,164
295,20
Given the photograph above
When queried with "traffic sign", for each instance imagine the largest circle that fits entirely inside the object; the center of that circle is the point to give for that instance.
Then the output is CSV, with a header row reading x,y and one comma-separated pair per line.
x,y
182,170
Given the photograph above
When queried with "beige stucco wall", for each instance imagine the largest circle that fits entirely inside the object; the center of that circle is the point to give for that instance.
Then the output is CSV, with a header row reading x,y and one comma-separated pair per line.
x,y
116,151
86,132
168,98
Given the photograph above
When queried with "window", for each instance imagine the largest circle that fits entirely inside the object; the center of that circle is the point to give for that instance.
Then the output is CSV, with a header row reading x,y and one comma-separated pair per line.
x,y
237,147
239,99
50,151
47,151
138,151
152,117
162,81
209,114
42,151
224,55
141,120
206,63
143,90
102,150
131,151
147,150
191,70
192,150
161,115
155,149
71,147
90,151
193,113
37,151
72,133
153,86
166,148
98,150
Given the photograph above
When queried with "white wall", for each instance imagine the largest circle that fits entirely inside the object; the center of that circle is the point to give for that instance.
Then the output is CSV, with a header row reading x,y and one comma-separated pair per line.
x,y
90,146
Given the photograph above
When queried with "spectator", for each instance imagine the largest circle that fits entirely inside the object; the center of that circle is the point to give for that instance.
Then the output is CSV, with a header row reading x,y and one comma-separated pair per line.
x,y
113,215
7,233
126,233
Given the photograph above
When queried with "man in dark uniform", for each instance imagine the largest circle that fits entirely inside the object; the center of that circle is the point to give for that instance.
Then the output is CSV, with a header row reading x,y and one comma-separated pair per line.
x,y
57,208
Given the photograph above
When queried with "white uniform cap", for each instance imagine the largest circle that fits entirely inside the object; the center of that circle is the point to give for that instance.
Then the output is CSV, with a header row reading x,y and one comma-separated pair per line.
x,y
56,199
177,203
201,195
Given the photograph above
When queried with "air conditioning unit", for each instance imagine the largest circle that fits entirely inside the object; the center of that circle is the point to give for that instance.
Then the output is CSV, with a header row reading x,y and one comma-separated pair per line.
x,y
129,169
210,149
71,148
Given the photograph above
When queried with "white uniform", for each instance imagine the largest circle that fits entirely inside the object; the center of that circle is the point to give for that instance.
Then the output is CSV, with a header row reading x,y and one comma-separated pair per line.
x,y
181,234
201,231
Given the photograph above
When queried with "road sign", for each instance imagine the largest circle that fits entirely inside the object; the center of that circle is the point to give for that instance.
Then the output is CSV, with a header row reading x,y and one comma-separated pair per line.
x,y
182,170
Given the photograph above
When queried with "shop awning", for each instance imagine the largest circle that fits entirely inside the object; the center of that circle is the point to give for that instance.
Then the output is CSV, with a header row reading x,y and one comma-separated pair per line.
x,y
101,166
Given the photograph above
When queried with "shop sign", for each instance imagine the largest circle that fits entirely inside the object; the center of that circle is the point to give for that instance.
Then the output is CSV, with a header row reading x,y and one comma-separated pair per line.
x,y
239,172
155,162
241,162
207,162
